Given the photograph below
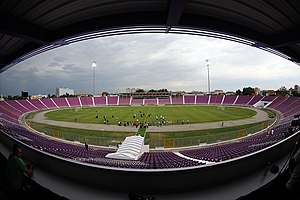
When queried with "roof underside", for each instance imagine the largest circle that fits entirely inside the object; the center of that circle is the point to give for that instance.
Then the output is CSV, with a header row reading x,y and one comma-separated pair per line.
x,y
27,26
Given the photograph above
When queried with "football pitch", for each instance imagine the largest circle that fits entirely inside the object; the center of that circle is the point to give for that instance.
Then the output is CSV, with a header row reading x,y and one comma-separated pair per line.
x,y
171,115
150,114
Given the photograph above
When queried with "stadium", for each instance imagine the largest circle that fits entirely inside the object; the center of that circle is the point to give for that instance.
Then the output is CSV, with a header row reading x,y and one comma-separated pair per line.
x,y
228,162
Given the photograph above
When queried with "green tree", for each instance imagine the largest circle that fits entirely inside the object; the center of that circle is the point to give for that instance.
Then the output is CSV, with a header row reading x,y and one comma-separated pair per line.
x,y
152,90
105,94
281,92
248,91
238,92
140,90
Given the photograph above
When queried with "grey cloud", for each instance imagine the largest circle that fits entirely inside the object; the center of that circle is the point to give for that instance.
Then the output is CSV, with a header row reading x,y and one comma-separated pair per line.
x,y
151,61
59,59
54,64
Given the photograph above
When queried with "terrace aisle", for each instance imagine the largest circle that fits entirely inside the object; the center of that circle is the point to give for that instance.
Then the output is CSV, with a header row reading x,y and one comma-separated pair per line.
x,y
260,116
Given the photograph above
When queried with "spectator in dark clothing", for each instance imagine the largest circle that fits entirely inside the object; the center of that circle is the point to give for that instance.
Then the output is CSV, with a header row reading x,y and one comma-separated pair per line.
x,y
17,170
293,184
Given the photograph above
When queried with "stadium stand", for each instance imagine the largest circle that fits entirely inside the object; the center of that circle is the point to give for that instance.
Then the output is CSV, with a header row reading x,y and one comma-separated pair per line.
x,y
217,99
60,102
288,104
177,100
189,99
86,101
268,98
124,101
202,99
210,156
243,100
254,100
27,105
277,101
164,101
10,108
74,101
112,100
49,103
239,148
136,101
38,104
244,146
18,106
162,160
229,100
100,100
151,101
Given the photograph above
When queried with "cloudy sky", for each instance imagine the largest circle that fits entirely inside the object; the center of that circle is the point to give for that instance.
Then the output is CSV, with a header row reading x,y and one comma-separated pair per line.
x,y
150,61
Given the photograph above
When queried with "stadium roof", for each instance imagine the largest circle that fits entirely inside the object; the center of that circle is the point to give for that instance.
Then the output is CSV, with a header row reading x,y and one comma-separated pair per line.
x,y
31,27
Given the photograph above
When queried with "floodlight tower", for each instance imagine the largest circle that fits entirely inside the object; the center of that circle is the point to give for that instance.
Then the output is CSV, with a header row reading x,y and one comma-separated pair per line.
x,y
94,65
208,80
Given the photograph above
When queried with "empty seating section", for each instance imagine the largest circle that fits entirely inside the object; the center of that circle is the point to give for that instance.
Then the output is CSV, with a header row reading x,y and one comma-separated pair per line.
x,y
100,100
15,104
74,101
124,101
212,99
9,118
243,100
164,101
229,100
202,99
27,104
93,155
268,98
48,102
86,101
61,102
292,109
150,102
158,160
177,100
216,99
254,100
112,100
242,147
37,103
11,110
289,104
137,101
189,99
277,101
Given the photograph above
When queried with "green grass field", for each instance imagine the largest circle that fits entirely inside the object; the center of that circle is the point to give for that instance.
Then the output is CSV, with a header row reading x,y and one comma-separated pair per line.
x,y
114,114
150,114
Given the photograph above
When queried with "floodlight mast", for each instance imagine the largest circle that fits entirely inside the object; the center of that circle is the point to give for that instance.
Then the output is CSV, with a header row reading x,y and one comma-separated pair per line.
x,y
208,79
94,65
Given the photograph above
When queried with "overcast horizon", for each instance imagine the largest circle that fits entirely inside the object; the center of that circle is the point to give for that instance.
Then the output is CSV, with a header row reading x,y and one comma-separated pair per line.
x,y
150,61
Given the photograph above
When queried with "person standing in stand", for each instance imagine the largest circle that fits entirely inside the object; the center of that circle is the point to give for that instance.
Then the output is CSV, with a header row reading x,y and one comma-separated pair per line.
x,y
86,146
